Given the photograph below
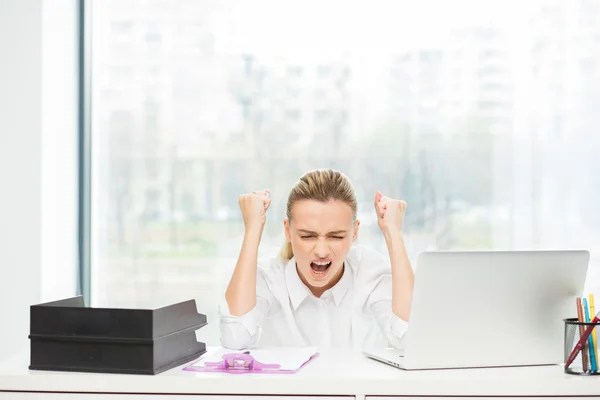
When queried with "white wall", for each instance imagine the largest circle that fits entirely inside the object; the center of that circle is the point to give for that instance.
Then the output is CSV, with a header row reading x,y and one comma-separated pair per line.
x,y
59,148
38,156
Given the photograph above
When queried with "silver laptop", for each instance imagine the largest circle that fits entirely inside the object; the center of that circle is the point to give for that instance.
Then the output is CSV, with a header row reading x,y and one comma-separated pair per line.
x,y
489,309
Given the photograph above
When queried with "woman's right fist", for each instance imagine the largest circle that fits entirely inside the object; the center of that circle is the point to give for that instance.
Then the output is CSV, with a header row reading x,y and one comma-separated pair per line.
x,y
254,207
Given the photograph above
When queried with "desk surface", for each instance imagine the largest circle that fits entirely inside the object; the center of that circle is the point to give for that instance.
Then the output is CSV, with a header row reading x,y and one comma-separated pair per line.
x,y
332,373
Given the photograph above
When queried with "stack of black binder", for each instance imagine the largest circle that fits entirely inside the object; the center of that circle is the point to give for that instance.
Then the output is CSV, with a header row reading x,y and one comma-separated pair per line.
x,y
66,335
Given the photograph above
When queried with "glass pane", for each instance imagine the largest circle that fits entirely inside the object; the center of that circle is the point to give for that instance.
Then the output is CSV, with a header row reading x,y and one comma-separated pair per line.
x,y
484,121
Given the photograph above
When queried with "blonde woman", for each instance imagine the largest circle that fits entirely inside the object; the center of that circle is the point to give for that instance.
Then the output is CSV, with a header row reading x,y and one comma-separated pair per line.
x,y
321,291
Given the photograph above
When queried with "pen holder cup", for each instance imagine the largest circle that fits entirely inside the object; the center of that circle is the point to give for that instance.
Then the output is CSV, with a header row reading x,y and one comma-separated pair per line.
x,y
582,364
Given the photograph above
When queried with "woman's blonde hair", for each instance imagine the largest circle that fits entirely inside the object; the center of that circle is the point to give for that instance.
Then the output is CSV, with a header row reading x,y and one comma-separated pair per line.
x,y
321,185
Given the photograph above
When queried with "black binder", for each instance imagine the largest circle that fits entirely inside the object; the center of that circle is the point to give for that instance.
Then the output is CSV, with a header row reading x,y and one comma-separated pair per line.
x,y
66,335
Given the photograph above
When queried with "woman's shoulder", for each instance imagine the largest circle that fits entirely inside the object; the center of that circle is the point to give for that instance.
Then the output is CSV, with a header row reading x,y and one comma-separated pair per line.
x,y
365,255
371,270
367,263
272,268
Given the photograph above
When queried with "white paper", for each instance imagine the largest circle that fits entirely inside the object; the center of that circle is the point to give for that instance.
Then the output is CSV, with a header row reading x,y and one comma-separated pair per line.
x,y
288,358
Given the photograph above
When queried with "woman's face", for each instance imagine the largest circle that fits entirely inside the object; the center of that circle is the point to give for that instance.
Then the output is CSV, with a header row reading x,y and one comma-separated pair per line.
x,y
321,235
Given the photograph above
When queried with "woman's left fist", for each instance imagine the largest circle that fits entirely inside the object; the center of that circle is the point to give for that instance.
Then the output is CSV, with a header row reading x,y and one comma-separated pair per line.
x,y
390,214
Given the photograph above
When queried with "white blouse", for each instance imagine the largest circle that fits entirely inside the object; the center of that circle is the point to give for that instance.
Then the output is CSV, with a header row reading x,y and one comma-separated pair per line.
x,y
355,313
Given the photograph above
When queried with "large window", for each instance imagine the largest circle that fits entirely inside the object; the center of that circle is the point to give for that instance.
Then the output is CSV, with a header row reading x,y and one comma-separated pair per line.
x,y
482,115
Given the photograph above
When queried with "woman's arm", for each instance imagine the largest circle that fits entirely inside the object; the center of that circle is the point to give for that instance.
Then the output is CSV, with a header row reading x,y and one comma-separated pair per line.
x,y
402,276
244,331
241,291
390,218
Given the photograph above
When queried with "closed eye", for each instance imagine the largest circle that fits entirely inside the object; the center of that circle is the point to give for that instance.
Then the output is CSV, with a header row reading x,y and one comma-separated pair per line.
x,y
331,237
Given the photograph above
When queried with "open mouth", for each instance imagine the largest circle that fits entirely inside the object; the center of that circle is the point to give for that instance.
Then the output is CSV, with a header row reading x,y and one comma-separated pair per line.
x,y
319,269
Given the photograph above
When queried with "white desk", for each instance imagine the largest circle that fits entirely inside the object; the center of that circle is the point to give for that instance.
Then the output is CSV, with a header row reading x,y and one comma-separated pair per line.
x,y
332,375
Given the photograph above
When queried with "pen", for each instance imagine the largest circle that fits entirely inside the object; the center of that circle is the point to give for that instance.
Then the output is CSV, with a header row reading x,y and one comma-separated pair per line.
x,y
590,341
582,341
593,312
584,356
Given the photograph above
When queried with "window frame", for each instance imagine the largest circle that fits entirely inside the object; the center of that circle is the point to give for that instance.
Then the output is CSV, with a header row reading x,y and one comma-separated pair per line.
x,y
84,18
